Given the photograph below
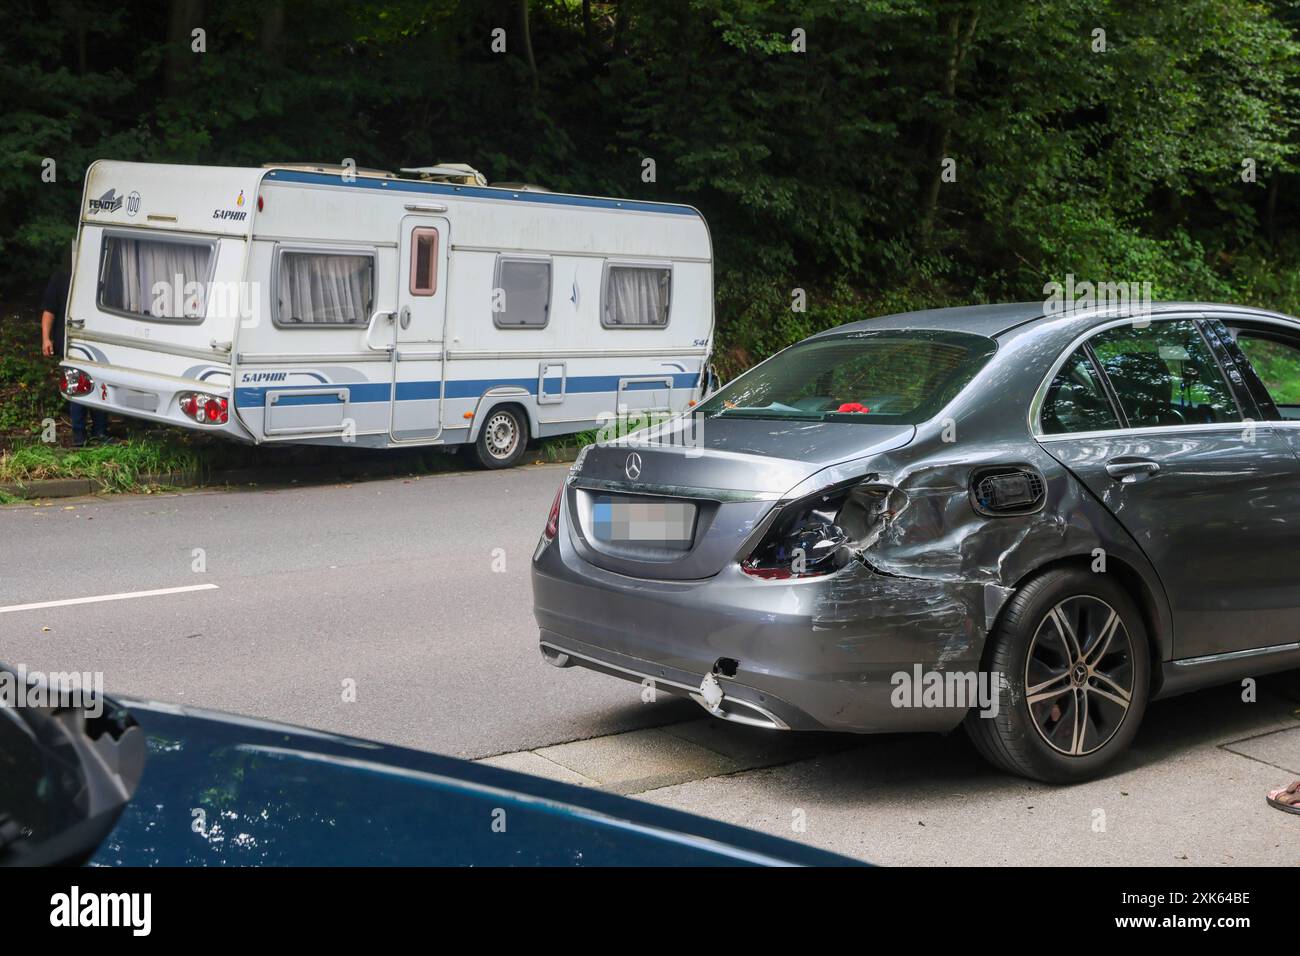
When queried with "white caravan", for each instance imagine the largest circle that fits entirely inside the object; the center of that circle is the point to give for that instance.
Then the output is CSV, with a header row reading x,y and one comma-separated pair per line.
x,y
326,305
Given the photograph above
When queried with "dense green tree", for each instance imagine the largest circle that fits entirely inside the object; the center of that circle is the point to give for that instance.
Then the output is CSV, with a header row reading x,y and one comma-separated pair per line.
x,y
1106,139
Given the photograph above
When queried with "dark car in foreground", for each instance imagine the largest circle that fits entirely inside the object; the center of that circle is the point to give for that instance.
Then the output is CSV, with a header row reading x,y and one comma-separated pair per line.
x,y
1029,523
148,784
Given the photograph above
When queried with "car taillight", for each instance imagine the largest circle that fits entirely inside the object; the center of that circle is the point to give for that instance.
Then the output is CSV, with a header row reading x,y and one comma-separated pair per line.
x,y
810,547
553,519
818,535
75,382
204,408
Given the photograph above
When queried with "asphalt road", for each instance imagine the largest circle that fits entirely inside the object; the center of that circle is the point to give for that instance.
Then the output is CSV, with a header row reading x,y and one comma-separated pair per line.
x,y
412,596
415,589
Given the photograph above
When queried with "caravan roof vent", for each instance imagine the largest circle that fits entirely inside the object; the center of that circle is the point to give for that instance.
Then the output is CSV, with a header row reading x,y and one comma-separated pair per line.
x,y
333,169
458,173
522,187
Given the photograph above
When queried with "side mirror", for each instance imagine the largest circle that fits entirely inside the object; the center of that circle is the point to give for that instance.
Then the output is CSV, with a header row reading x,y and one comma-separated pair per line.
x,y
77,767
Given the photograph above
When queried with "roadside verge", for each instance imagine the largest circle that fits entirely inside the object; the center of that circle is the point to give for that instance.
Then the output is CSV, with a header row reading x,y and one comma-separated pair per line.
x,y
114,469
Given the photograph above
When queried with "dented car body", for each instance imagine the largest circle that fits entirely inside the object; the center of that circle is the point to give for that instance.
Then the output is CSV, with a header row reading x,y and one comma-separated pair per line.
x,y
870,502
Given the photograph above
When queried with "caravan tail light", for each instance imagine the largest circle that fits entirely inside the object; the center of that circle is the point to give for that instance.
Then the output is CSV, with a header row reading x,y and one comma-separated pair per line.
x,y
205,409
75,382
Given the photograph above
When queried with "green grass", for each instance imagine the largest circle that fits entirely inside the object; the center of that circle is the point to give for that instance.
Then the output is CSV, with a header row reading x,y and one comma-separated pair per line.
x,y
129,466
554,448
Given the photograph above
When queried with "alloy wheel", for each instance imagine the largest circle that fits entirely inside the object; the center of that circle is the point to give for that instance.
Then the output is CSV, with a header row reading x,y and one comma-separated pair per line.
x,y
1079,675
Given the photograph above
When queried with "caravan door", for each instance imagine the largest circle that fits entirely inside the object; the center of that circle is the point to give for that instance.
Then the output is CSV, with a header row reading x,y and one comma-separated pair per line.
x,y
418,329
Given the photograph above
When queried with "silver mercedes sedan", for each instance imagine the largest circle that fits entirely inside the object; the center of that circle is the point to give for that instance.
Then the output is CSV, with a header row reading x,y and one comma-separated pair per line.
x,y
1031,524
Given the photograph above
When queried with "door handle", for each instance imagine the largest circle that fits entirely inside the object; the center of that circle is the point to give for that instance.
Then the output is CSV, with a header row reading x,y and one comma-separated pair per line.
x,y
1122,468
404,320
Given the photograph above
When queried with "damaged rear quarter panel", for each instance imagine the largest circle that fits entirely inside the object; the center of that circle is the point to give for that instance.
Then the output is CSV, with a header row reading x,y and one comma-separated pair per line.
x,y
934,570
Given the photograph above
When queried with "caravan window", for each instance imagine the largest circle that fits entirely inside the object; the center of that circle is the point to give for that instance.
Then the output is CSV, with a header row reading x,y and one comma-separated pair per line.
x,y
324,288
521,293
636,297
159,279
424,261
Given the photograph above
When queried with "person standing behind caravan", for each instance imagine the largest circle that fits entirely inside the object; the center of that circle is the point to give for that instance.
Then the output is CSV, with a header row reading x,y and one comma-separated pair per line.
x,y
53,307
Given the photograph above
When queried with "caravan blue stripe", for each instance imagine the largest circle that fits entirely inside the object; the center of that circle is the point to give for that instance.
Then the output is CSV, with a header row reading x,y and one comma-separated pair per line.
x,y
478,192
425,391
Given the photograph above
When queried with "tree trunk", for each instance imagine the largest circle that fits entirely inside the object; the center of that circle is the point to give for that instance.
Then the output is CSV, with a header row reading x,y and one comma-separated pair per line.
x,y
272,25
80,18
620,27
528,45
183,19
1270,210
960,35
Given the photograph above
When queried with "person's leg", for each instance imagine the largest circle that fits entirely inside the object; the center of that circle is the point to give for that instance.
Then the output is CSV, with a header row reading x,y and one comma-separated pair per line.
x,y
99,423
78,414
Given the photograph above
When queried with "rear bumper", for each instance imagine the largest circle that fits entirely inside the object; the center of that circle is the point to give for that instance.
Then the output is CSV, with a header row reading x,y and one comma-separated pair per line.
x,y
741,704
815,654
152,397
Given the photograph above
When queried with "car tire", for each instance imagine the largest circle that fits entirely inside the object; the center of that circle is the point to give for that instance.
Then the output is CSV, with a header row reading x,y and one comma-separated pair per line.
x,y
1104,682
503,439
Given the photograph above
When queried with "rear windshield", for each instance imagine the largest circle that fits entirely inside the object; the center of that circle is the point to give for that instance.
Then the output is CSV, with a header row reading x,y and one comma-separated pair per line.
x,y
887,377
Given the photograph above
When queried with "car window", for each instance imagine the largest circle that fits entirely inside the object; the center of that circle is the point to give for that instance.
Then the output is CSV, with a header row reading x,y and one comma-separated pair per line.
x,y
1076,400
891,377
1164,374
1277,363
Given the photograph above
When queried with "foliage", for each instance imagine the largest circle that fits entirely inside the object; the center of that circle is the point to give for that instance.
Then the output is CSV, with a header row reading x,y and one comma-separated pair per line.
x,y
817,170
28,394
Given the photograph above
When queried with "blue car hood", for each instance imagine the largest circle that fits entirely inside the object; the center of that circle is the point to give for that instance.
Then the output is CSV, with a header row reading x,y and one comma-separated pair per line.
x,y
225,790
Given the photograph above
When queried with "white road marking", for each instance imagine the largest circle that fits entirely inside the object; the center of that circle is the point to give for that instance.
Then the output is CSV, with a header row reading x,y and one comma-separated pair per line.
x,y
108,597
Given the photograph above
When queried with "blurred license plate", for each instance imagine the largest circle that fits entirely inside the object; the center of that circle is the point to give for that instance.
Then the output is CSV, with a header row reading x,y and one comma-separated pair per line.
x,y
134,398
644,521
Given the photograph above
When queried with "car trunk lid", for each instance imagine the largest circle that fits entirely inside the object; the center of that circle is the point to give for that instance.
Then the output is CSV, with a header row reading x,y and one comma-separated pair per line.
x,y
679,503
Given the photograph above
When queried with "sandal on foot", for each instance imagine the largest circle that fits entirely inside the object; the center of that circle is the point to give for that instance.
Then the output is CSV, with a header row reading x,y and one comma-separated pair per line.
x,y
1287,799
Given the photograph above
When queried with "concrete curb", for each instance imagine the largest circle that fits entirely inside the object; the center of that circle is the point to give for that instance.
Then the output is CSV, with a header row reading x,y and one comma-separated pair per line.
x,y
297,474
52,488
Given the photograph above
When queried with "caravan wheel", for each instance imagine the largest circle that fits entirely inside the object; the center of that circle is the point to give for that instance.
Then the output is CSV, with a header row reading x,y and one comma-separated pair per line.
x,y
501,440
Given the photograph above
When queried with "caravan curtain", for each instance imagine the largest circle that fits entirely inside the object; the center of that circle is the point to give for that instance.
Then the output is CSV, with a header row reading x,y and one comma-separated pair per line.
x,y
156,277
325,289
636,296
